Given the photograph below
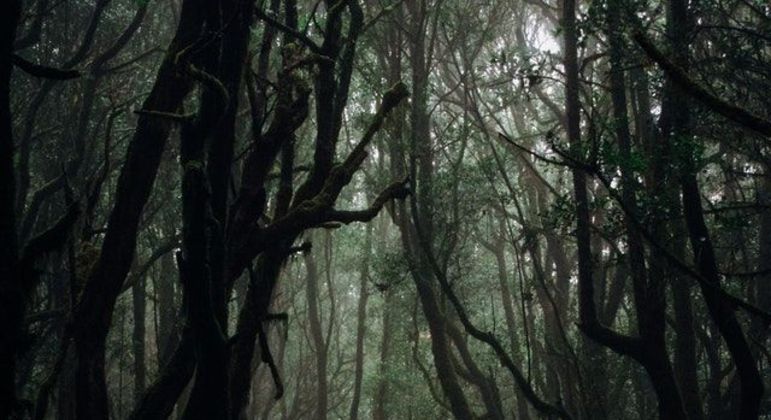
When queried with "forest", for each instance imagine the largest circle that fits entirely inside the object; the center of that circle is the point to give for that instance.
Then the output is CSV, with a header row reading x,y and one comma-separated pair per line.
x,y
385,209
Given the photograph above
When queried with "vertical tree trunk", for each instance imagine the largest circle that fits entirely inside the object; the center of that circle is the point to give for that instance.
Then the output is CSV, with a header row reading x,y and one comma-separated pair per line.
x,y
440,348
380,399
508,311
421,171
250,320
361,324
675,122
168,328
209,396
317,335
758,329
138,337
392,56
11,296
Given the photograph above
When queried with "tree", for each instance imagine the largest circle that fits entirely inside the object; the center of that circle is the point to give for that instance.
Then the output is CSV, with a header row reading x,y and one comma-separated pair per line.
x,y
387,209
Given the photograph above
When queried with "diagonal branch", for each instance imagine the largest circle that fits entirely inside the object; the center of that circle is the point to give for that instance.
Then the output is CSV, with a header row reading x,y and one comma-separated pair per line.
x,y
488,338
49,241
43,72
398,190
302,38
136,274
683,80
53,238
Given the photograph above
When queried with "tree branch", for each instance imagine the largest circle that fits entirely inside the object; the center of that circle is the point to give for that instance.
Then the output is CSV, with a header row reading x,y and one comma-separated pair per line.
x,y
398,190
43,72
302,38
51,239
683,80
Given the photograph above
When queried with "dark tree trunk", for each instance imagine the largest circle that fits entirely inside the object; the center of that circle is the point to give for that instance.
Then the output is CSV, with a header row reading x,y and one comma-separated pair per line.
x,y
11,294
159,400
720,310
650,348
486,385
94,311
250,321
675,120
440,348
209,396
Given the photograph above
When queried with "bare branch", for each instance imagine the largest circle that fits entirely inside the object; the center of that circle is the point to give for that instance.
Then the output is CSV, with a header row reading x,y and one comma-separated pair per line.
x,y
43,72
398,190
178,118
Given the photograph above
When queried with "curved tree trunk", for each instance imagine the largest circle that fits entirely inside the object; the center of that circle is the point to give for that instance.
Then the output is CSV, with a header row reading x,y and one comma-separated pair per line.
x,y
93,314
650,304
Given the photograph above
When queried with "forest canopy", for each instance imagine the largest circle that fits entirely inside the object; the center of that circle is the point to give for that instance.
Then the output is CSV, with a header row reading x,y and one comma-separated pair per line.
x,y
386,209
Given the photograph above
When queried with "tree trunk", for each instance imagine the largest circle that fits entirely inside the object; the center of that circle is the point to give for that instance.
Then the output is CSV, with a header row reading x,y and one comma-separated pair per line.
x,y
209,396
168,327
486,385
649,350
508,311
421,171
440,348
159,400
317,336
93,317
361,324
380,399
720,310
250,320
138,337
11,296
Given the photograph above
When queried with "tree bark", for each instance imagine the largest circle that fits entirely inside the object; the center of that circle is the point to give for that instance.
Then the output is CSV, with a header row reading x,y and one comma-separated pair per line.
x,y
209,397
361,324
649,299
11,293
508,310
138,337
93,315
317,335
380,399
720,310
